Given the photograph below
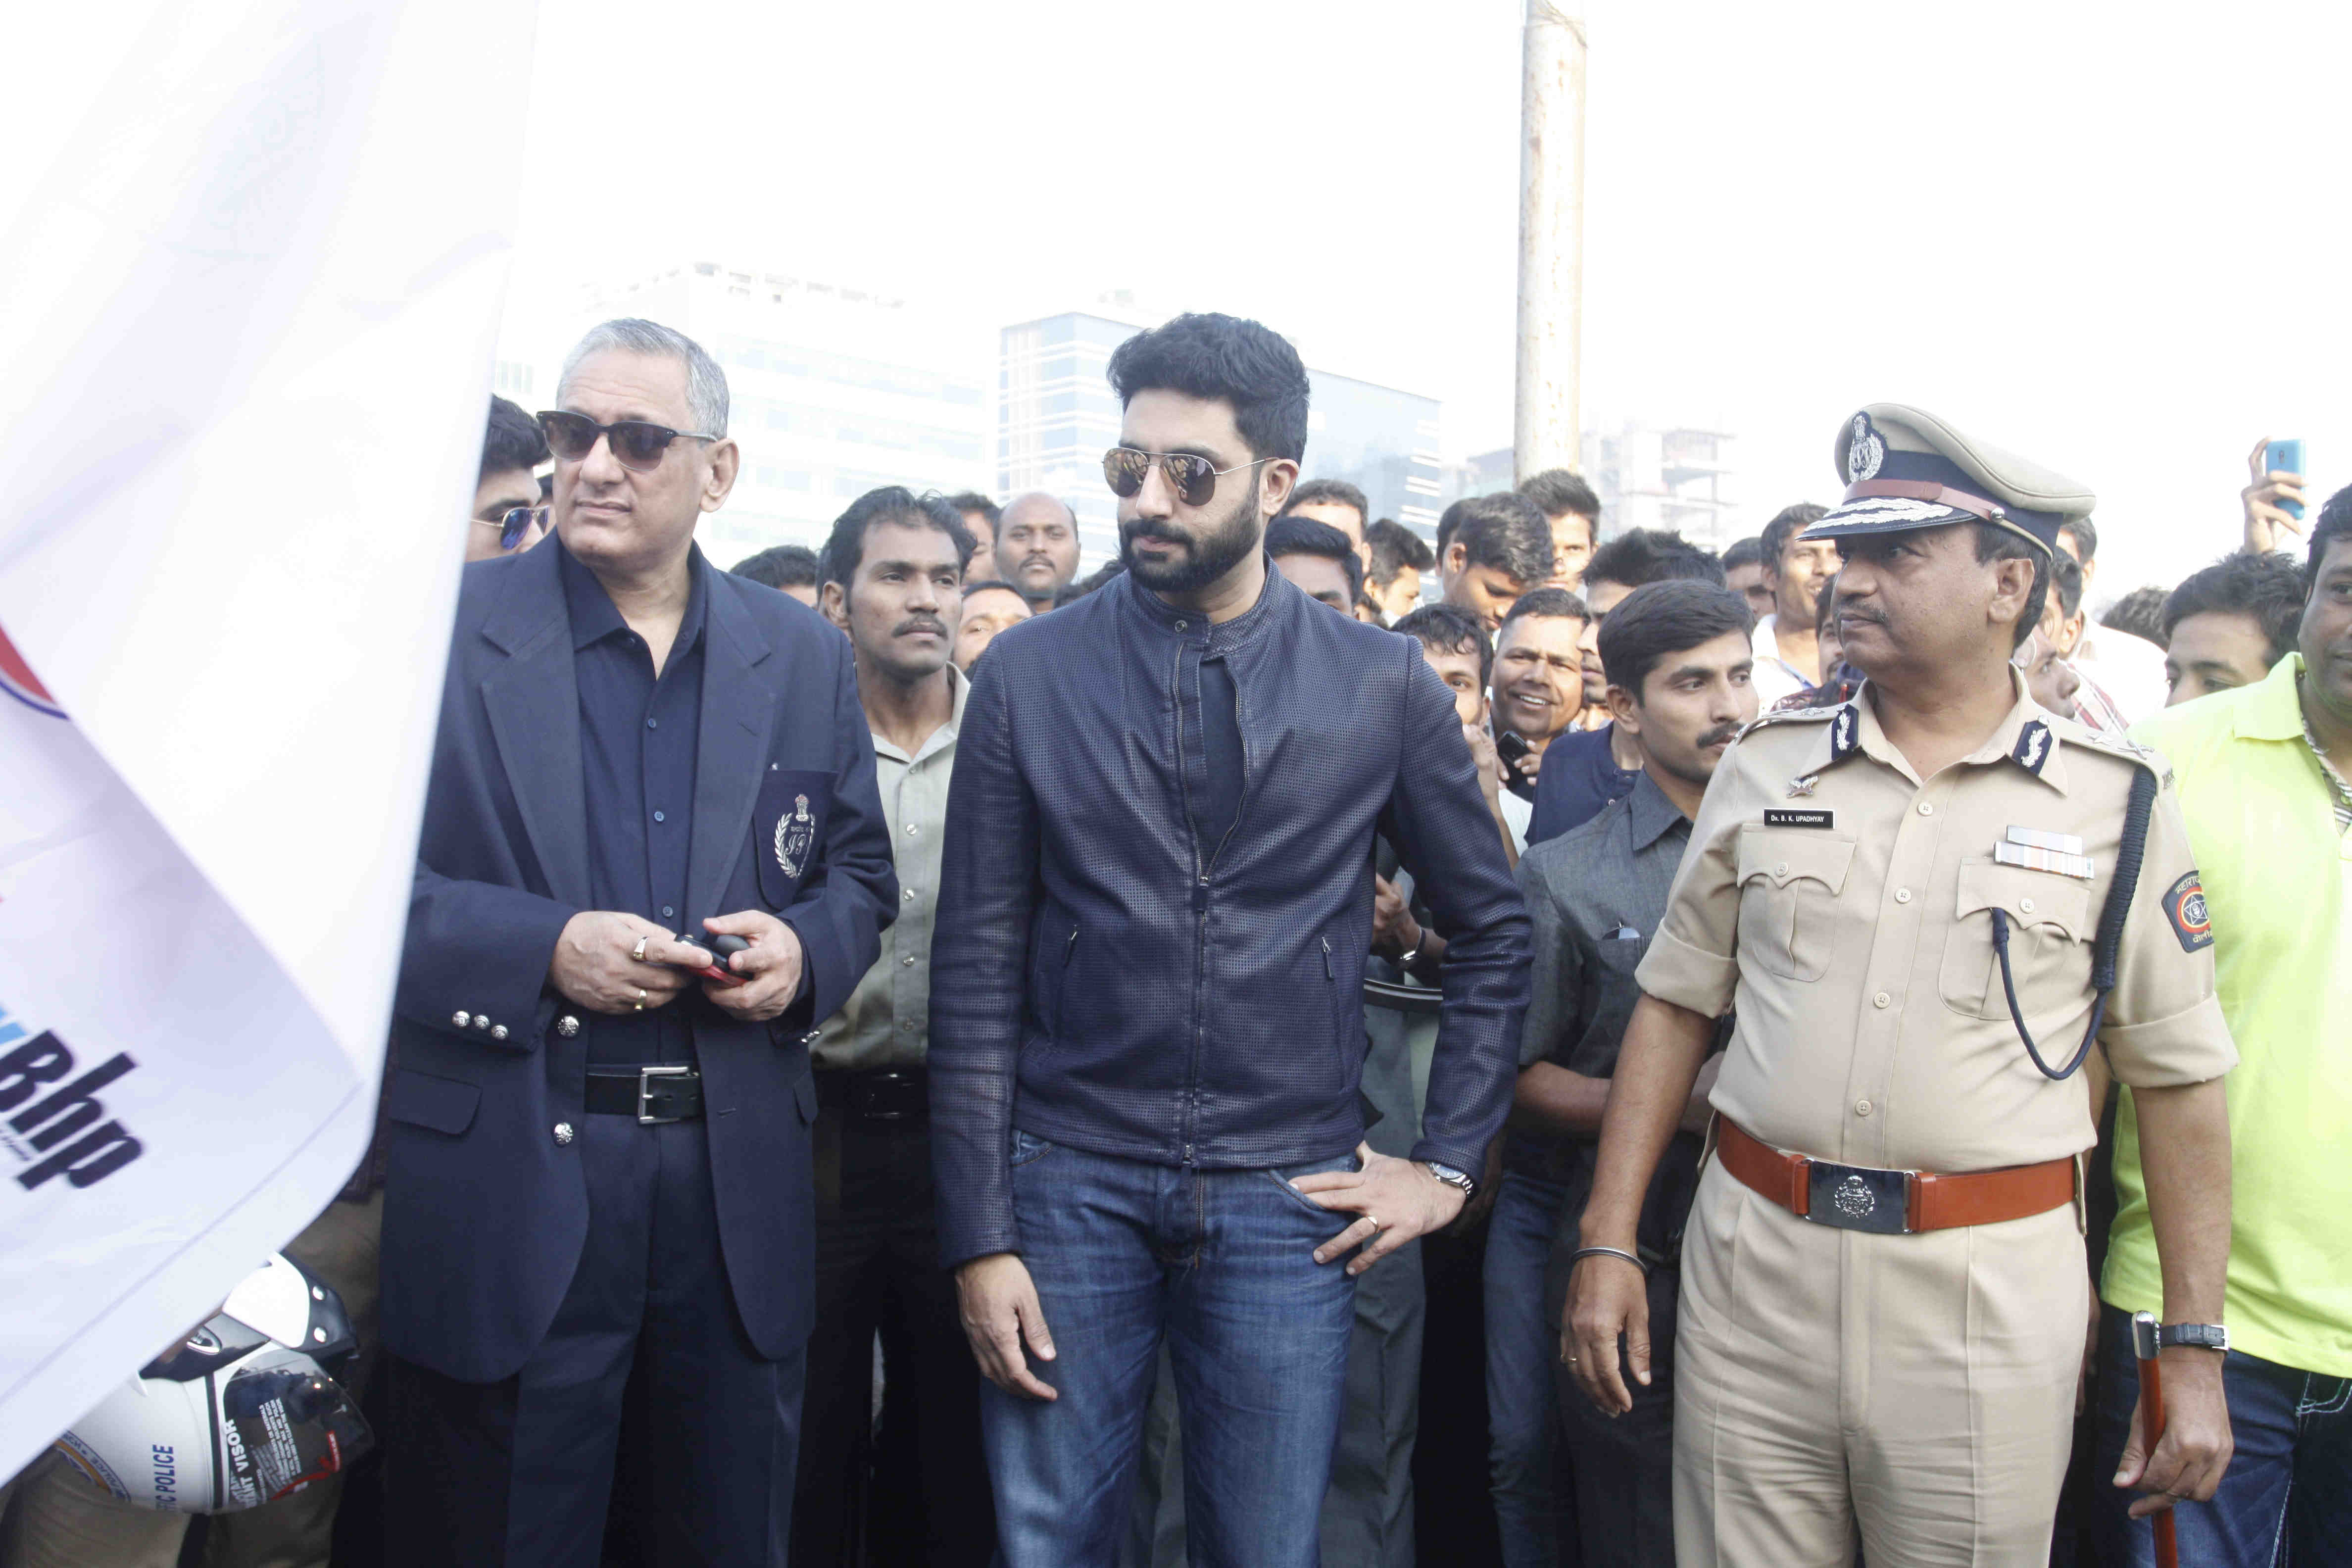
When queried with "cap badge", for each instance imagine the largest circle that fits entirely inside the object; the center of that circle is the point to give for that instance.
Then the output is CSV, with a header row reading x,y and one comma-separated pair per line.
x,y
1865,453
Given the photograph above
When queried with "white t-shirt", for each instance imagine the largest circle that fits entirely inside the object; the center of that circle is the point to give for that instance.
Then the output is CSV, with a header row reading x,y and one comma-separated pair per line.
x,y
1775,676
2129,669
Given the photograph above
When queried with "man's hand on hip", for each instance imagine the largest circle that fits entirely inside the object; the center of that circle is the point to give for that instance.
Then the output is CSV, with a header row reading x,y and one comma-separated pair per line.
x,y
998,1302
596,962
1399,1200
771,966
2195,1447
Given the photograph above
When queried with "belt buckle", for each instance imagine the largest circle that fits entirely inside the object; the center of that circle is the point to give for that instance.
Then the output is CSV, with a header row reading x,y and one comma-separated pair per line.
x,y
646,1097
1859,1197
869,1092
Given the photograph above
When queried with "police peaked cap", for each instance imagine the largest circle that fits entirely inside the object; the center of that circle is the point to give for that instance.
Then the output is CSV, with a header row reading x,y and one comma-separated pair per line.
x,y
1904,468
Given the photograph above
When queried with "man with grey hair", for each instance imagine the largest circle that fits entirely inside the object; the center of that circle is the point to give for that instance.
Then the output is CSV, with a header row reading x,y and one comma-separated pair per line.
x,y
1037,547
653,858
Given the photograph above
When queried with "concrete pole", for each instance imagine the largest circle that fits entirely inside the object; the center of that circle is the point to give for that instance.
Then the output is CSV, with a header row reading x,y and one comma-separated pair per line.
x,y
1548,431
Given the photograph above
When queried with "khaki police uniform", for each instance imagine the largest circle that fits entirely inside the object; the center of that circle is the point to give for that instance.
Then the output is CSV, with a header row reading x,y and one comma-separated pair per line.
x,y
1919,1386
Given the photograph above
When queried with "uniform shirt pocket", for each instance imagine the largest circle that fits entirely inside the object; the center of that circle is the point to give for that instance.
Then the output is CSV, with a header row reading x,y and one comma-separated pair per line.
x,y
2049,928
788,831
1789,886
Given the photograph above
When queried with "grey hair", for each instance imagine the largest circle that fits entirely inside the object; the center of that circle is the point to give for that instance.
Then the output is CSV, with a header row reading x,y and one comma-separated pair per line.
x,y
706,383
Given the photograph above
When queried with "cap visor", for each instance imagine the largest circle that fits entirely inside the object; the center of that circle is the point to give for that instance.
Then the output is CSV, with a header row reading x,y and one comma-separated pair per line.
x,y
1883,514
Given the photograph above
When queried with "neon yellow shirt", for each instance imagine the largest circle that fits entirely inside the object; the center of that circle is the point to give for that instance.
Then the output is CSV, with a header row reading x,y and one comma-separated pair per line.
x,y
2277,872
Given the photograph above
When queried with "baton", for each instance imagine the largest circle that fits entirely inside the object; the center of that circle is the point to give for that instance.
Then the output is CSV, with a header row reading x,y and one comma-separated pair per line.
x,y
2151,1425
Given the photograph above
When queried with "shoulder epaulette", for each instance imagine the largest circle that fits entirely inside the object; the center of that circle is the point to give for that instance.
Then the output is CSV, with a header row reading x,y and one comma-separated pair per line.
x,y
1791,716
2122,748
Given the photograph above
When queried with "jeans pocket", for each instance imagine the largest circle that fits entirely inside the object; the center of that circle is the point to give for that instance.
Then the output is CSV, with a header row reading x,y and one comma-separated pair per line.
x,y
1028,1148
1283,1176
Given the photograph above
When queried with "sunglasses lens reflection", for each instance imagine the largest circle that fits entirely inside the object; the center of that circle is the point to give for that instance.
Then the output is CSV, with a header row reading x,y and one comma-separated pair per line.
x,y
640,446
1123,470
1196,480
571,436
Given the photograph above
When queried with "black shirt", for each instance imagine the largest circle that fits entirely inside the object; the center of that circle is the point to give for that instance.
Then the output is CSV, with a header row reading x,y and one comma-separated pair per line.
x,y
637,741
1579,776
1220,744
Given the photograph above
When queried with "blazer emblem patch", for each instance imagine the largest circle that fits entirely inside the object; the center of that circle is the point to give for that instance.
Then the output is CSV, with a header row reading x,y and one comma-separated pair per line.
x,y
796,837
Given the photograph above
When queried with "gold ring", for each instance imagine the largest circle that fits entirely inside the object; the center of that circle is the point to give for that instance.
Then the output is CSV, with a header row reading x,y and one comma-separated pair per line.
x,y
1373,1223
638,952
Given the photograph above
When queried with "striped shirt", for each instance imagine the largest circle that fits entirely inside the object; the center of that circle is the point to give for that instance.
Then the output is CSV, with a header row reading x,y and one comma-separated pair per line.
x,y
2343,791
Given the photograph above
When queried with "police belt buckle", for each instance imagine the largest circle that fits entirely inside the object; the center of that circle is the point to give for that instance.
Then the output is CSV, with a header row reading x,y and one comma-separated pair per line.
x,y
645,1117
1859,1197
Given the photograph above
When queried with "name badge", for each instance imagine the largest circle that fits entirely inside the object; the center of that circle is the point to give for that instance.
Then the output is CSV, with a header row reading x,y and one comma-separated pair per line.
x,y
1782,818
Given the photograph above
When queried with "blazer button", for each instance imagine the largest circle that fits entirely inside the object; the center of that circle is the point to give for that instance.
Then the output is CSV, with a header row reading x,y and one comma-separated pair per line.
x,y
459,1020
563,1133
481,1020
567,1025
499,1032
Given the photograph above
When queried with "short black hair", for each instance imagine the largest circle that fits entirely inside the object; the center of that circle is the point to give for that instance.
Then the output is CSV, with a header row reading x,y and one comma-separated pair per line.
x,y
2335,522
972,500
845,547
513,440
1560,492
2086,539
1662,618
1748,551
1557,601
1451,519
1643,555
1506,532
1789,522
1445,629
1396,547
1339,491
2268,587
1288,535
1231,361
2140,613
1995,543
2067,578
779,566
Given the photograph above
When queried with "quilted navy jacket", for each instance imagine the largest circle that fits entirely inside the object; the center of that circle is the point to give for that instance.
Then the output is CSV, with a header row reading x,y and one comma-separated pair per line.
x,y
1101,980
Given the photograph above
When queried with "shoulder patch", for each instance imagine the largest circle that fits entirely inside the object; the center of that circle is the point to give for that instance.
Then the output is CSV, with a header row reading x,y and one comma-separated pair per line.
x,y
2184,906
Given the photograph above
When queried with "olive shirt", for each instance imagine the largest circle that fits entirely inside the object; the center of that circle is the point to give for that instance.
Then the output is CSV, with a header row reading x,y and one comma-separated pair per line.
x,y
2270,827
1845,906
887,1022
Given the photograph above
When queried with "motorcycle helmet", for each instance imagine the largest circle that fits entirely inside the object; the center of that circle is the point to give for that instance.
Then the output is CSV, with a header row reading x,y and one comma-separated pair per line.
x,y
246,1410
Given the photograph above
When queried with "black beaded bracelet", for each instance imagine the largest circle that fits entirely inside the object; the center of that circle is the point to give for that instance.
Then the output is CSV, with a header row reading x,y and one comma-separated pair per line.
x,y
1581,1253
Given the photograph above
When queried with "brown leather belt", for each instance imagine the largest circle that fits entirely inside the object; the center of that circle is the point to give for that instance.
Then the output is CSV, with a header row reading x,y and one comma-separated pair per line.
x,y
1862,1198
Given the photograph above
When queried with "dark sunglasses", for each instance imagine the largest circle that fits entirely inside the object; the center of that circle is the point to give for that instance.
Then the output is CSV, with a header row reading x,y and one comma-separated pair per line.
x,y
1194,479
636,443
514,523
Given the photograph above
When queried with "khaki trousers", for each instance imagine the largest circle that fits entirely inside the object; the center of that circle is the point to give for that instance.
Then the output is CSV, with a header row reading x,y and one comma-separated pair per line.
x,y
53,1516
1917,1389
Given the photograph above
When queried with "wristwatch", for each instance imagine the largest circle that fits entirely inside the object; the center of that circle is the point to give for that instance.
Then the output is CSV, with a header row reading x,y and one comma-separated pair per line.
x,y
2201,1336
1451,1177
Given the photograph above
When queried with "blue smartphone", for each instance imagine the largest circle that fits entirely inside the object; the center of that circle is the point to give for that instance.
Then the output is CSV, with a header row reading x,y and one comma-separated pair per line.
x,y
2288,455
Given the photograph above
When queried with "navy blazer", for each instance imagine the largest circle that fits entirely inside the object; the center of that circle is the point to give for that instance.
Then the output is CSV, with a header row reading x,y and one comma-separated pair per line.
x,y
486,1208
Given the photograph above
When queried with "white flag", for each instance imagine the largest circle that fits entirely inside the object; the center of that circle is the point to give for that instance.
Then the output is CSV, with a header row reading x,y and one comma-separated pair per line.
x,y
250,301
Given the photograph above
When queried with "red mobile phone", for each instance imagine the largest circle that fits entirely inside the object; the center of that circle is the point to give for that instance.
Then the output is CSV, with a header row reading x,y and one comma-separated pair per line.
x,y
726,947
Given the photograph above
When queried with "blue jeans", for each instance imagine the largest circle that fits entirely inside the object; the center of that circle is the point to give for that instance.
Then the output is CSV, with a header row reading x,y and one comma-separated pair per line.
x,y
1221,1264
1522,1401
2287,1496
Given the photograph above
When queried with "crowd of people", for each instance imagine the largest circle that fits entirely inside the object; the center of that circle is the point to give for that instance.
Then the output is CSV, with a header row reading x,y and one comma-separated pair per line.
x,y
1309,1043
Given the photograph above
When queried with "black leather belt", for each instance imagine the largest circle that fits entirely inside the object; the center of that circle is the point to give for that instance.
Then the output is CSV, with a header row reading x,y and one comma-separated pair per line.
x,y
652,1095
876,1094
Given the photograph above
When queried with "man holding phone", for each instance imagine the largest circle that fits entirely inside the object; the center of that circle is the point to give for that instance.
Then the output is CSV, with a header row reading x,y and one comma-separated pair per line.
x,y
597,1183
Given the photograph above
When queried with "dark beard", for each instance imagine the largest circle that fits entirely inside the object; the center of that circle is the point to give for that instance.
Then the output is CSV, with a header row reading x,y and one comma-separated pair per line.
x,y
1207,556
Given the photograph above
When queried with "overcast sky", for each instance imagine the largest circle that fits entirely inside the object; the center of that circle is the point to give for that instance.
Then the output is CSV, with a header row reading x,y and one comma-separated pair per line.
x,y
2101,237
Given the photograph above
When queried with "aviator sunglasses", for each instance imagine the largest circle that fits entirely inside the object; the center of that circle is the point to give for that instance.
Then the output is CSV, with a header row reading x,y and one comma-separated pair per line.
x,y
636,443
1194,478
514,523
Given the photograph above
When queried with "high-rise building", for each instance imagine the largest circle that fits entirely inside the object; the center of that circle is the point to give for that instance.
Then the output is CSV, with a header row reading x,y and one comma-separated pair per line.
x,y
1646,476
834,391
1057,415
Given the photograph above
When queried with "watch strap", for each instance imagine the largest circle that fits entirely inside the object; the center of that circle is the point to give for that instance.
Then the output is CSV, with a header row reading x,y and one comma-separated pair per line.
x,y
2198,1336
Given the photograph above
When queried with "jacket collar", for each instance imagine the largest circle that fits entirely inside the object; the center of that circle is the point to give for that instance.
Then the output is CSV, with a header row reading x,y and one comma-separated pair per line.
x,y
1224,635
1649,813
